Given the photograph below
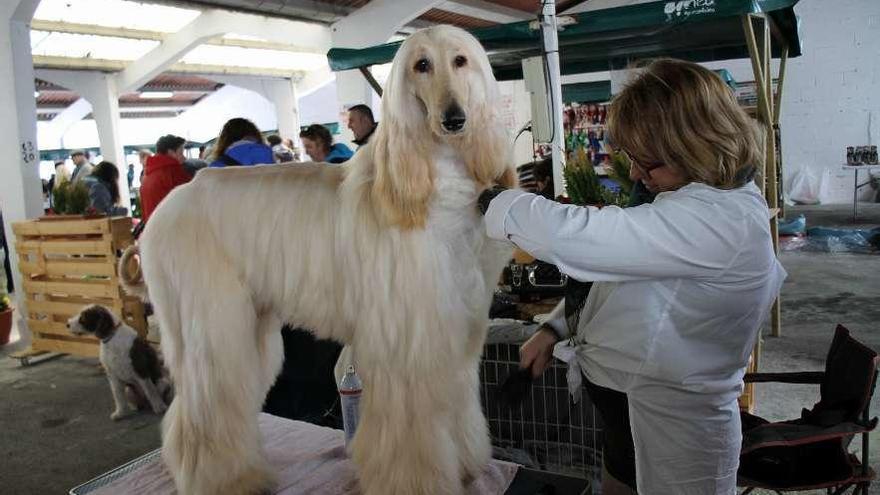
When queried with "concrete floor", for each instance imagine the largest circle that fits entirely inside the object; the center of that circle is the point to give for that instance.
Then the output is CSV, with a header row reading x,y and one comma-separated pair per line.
x,y
55,430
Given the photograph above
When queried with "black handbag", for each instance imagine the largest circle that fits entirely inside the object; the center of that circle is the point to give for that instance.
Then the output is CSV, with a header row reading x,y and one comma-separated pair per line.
x,y
535,280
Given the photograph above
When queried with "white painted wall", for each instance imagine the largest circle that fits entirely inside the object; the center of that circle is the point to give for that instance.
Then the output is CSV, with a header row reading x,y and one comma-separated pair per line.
x,y
831,97
320,106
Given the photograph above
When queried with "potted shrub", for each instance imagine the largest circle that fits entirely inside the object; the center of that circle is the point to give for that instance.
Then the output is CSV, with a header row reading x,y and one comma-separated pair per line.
x,y
583,184
71,199
5,318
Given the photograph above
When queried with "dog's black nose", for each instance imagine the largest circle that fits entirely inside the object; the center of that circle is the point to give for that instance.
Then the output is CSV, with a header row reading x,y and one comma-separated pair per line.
x,y
454,118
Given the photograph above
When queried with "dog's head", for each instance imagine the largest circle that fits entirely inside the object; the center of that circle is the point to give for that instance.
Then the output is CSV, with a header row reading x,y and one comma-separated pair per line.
x,y
441,91
95,320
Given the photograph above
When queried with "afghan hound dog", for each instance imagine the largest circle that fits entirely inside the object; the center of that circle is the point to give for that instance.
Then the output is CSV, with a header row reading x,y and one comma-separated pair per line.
x,y
387,253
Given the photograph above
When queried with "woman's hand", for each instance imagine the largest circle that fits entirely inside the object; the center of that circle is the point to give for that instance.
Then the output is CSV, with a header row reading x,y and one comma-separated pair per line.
x,y
487,196
537,353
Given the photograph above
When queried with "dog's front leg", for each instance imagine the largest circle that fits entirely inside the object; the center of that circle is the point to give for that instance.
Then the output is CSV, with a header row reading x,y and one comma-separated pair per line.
x,y
153,396
470,431
123,408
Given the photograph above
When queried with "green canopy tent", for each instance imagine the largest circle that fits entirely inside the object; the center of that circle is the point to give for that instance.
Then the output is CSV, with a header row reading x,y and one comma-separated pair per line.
x,y
613,38
697,30
600,91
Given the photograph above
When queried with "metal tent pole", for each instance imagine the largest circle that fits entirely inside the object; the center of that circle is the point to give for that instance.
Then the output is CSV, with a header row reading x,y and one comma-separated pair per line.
x,y
550,38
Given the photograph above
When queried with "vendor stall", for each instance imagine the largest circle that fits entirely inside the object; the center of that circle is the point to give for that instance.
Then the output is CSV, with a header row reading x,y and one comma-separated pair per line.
x,y
610,39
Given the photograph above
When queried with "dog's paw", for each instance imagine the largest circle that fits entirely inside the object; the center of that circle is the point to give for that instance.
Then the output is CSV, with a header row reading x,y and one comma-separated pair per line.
x,y
117,414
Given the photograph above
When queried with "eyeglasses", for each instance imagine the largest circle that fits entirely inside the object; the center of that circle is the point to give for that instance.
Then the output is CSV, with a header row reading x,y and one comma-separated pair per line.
x,y
643,169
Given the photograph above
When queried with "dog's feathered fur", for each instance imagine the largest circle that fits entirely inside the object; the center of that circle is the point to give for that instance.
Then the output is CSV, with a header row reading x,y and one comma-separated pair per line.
x,y
387,253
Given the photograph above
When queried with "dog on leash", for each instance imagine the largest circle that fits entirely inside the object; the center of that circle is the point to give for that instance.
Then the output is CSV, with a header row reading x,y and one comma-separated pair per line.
x,y
133,367
386,253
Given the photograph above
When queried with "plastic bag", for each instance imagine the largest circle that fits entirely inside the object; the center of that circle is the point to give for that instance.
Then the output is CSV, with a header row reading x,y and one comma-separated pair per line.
x,y
804,188
794,226
843,240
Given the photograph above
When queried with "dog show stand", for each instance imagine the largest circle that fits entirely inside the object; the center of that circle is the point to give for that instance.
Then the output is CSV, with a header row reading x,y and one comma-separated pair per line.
x,y
311,460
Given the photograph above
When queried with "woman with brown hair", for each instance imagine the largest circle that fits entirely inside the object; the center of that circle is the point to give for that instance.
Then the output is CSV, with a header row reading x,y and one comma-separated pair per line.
x,y
318,143
682,284
241,143
103,184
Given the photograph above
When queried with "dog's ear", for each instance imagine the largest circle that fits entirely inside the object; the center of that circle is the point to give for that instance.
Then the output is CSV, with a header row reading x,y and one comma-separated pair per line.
x,y
487,154
97,320
402,152
487,147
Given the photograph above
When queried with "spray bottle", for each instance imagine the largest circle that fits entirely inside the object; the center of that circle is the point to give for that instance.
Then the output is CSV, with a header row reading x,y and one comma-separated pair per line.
x,y
350,388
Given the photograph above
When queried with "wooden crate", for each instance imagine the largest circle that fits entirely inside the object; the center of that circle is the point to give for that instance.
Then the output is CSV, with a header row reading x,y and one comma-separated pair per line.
x,y
68,263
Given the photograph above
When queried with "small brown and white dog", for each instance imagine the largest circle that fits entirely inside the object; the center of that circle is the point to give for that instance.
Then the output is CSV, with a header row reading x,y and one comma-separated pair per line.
x,y
133,367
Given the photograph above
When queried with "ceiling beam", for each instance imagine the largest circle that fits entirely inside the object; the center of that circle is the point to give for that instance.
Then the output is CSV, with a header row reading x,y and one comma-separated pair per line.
x,y
140,34
297,10
488,11
122,107
103,65
304,10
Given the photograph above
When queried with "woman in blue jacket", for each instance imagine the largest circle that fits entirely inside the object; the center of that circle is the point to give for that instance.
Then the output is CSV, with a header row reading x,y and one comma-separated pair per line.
x,y
240,143
319,145
103,184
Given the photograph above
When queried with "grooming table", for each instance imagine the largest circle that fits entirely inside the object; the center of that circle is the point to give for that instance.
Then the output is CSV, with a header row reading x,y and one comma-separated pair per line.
x,y
308,459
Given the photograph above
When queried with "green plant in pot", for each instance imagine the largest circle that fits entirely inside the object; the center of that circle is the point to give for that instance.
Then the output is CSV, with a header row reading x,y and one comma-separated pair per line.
x,y
581,181
71,198
618,171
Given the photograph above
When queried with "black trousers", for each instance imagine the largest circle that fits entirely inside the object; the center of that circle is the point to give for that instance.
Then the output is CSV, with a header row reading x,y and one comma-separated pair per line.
x,y
618,449
306,388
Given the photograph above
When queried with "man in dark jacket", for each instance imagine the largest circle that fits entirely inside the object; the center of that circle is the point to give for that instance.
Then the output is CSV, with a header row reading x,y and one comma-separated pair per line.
x,y
361,123
163,172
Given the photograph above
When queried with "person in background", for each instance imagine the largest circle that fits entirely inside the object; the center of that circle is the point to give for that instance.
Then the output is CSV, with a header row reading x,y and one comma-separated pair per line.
x,y
82,165
143,154
361,123
319,145
130,176
193,165
682,284
162,173
297,153
202,152
282,153
103,185
543,174
240,143
61,175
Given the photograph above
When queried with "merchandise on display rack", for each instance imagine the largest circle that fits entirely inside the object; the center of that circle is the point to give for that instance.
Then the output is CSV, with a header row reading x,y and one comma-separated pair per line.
x,y
861,155
584,125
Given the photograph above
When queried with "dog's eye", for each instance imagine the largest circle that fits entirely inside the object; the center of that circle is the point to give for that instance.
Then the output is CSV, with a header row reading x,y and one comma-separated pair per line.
x,y
460,61
423,65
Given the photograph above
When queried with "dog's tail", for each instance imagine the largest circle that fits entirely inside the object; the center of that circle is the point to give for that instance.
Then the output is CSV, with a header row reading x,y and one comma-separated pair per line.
x,y
133,283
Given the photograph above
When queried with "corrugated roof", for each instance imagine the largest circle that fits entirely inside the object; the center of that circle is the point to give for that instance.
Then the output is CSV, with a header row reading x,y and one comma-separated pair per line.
x,y
438,16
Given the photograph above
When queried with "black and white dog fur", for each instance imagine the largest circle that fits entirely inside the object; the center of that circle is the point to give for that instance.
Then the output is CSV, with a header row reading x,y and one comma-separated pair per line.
x,y
133,367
